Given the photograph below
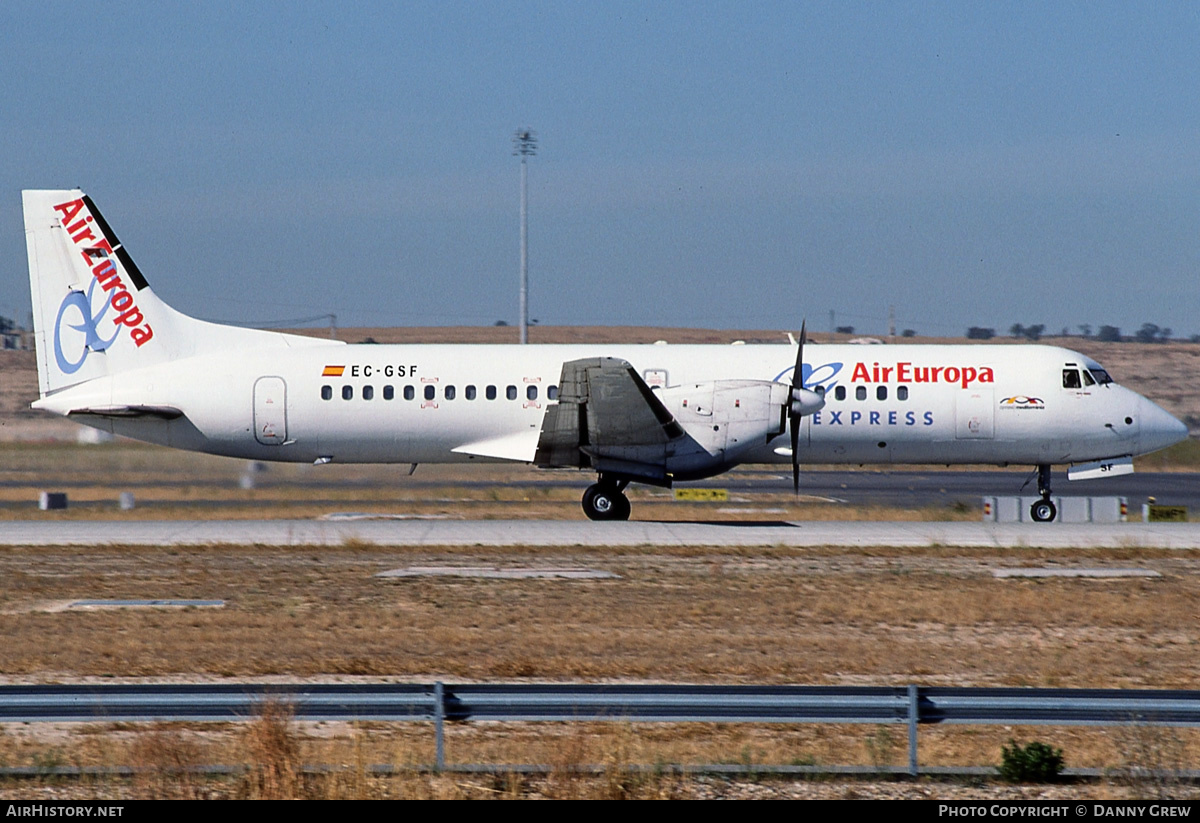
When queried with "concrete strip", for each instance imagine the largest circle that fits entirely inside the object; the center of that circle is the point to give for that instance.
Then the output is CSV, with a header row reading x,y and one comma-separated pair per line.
x,y
1075,573
599,534
498,573
348,516
147,604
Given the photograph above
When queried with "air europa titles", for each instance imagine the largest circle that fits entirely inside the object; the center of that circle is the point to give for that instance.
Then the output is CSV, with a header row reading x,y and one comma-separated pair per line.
x,y
908,373
97,254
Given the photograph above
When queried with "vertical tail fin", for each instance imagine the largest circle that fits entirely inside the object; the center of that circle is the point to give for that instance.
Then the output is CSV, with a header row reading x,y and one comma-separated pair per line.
x,y
94,314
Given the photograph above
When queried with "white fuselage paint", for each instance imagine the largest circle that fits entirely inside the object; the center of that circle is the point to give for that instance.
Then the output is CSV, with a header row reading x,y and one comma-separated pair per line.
x,y
965,404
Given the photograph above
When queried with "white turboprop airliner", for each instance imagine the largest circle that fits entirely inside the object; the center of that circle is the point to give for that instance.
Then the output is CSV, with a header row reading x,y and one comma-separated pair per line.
x,y
112,355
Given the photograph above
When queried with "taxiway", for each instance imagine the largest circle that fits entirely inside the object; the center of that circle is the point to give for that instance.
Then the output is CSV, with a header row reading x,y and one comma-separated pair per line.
x,y
566,533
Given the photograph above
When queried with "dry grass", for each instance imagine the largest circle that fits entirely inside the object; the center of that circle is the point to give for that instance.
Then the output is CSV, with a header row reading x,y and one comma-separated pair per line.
x,y
933,616
165,759
709,615
585,760
273,753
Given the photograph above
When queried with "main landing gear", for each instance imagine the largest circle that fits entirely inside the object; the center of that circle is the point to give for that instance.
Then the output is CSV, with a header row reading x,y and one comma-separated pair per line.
x,y
1044,510
605,500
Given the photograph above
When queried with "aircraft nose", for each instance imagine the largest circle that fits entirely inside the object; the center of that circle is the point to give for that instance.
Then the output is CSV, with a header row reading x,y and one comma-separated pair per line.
x,y
1159,428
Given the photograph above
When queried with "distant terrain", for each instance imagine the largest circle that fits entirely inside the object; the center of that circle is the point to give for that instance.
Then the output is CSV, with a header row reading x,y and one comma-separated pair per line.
x,y
1164,372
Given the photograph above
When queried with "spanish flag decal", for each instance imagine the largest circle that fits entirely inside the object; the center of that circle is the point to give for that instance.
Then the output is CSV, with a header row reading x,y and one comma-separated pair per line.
x,y
333,371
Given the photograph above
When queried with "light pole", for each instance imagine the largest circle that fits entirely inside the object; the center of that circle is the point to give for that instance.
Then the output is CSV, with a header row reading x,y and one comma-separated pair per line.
x,y
524,146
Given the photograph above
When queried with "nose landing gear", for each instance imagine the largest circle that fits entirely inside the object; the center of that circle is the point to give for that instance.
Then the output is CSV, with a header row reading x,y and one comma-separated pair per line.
x,y
1044,510
605,500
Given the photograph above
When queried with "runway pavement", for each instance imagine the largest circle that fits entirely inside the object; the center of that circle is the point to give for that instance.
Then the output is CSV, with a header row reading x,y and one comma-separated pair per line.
x,y
588,534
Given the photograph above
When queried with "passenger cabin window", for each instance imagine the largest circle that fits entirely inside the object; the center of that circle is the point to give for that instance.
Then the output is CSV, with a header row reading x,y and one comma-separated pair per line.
x,y
839,393
389,392
531,392
860,393
409,393
1071,379
552,393
511,392
368,392
450,392
881,392
347,392
430,392
902,392
470,393
327,392
490,393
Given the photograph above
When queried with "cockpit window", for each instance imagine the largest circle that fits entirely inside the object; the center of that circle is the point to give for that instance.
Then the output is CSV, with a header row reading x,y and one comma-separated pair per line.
x,y
1101,376
1088,380
1071,379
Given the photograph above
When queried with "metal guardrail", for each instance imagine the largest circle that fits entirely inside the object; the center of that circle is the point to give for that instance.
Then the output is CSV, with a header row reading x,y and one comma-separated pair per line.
x,y
439,703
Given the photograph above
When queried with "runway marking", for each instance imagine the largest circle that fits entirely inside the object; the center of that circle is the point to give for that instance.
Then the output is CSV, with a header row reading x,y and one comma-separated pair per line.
x,y
146,604
349,516
1075,573
496,572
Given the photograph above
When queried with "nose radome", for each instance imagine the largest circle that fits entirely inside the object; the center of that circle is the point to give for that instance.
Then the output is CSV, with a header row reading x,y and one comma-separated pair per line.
x,y
1159,428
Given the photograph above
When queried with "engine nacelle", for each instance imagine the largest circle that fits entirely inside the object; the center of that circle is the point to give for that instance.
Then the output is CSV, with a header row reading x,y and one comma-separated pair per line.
x,y
725,419
711,426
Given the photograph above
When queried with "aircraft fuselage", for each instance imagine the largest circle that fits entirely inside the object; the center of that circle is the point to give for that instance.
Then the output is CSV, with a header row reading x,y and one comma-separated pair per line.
x,y
418,403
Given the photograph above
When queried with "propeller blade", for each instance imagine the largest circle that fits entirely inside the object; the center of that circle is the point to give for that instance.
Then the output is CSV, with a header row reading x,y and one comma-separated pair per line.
x,y
793,418
795,456
798,372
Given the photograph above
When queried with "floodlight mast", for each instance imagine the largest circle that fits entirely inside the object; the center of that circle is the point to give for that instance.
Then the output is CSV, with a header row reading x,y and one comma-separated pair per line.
x,y
524,146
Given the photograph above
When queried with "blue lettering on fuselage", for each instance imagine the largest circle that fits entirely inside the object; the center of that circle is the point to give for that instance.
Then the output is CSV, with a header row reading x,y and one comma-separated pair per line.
x,y
873,418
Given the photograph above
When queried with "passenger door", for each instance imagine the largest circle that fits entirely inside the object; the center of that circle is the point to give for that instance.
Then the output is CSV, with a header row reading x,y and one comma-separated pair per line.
x,y
270,411
973,415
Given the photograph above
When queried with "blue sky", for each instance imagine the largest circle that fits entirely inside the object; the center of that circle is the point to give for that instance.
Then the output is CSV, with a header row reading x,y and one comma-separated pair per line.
x,y
734,165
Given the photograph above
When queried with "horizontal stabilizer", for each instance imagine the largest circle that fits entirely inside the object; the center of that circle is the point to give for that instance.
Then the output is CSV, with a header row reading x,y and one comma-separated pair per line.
x,y
163,412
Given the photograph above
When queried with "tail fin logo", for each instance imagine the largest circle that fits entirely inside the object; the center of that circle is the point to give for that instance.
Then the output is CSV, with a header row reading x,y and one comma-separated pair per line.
x,y
81,303
98,258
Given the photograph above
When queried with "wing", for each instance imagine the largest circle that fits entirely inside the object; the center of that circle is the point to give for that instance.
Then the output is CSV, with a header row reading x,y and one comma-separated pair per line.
x,y
608,419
